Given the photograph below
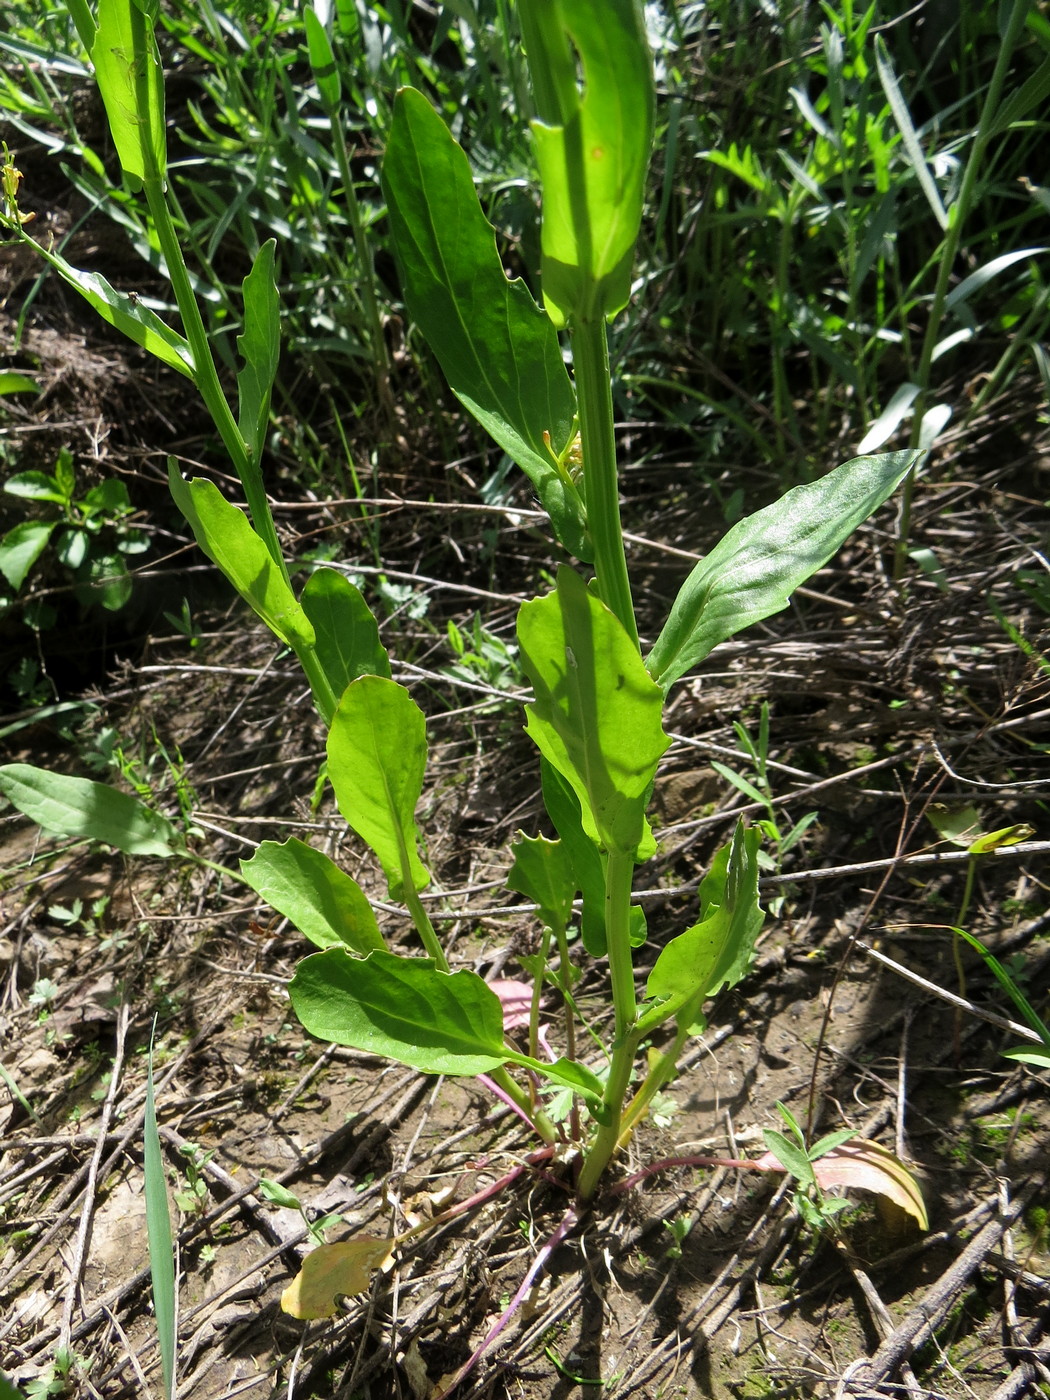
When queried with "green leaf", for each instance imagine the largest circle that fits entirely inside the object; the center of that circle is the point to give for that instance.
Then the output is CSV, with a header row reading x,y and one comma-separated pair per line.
x,y
158,1235
790,1156
35,486
347,637
596,715
542,871
563,808
322,60
909,136
104,579
499,352
753,570
11,382
88,811
403,1009
132,318
717,951
259,346
227,538
130,79
324,903
377,753
1030,1055
21,547
593,163
7,1390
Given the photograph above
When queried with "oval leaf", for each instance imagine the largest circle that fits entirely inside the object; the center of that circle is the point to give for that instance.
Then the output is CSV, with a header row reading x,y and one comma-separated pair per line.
x,y
332,1270
324,904
347,637
377,753
403,1009
88,810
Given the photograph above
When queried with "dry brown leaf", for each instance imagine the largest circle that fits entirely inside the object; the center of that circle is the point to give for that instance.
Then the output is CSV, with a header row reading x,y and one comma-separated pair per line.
x,y
332,1270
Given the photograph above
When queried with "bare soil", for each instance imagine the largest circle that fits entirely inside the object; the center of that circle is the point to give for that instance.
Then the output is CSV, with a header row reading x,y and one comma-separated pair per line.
x,y
883,701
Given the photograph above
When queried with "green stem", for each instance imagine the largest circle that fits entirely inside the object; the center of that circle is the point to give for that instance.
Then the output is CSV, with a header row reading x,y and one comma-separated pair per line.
x,y
206,376
590,351
539,1120
658,1075
619,873
957,216
421,919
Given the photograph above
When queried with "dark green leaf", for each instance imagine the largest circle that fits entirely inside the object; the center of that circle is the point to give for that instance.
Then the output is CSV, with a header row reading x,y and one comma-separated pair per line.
x,y
35,486
88,811
403,1009
324,903
498,350
377,753
753,570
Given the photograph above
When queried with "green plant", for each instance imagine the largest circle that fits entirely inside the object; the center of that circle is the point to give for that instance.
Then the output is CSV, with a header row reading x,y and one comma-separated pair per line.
x,y
817,1209
596,715
90,534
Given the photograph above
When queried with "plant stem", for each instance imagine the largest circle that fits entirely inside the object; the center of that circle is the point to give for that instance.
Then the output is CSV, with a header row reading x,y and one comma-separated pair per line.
x,y
590,350
206,377
957,216
619,873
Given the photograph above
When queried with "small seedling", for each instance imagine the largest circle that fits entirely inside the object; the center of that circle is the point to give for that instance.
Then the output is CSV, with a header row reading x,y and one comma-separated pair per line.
x,y
817,1209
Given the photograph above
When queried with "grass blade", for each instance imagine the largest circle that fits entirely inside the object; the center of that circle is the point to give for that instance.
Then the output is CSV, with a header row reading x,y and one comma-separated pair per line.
x,y
158,1232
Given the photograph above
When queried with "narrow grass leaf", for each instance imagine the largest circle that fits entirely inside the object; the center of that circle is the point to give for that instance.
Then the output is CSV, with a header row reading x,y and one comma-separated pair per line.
x,y
225,535
322,59
403,1009
322,901
347,636
976,280
498,350
753,570
88,811
1032,93
377,754
909,137
889,420
158,1235
596,715
259,346
334,1270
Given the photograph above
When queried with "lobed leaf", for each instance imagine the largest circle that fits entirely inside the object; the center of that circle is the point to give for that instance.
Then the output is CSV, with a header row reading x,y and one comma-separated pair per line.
x,y
404,1009
753,570
88,811
497,349
596,715
542,871
322,901
377,753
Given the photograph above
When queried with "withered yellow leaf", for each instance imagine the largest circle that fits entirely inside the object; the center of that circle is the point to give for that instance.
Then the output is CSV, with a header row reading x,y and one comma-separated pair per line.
x,y
333,1269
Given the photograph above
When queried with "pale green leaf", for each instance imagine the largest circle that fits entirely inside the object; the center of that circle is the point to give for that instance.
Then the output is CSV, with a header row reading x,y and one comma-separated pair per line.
x,y
130,79
404,1009
89,811
322,901
377,753
596,715
225,535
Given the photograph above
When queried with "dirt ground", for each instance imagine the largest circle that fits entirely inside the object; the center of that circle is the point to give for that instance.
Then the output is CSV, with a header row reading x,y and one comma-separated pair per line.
x,y
695,1281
